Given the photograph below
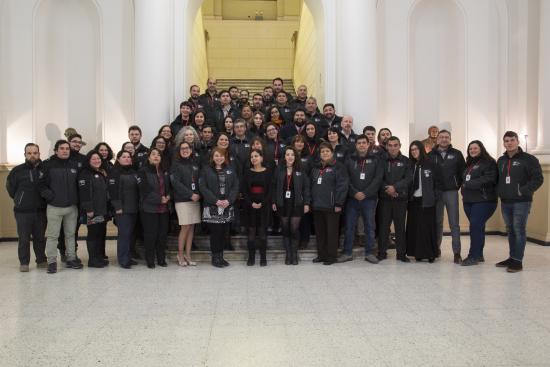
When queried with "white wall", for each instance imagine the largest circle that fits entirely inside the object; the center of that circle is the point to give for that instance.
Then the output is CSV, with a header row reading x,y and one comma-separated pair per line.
x,y
200,60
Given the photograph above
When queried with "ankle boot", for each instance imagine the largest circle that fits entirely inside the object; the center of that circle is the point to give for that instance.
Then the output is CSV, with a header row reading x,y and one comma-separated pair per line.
x,y
294,251
222,260
286,245
251,253
216,260
263,252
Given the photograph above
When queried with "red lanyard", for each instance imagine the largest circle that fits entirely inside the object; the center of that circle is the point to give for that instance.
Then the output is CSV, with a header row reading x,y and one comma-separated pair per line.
x,y
321,172
276,150
363,165
311,150
288,181
509,162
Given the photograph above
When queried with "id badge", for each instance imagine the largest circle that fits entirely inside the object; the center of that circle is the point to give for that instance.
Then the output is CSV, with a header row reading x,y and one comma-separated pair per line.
x,y
288,194
508,180
467,177
193,186
362,176
319,180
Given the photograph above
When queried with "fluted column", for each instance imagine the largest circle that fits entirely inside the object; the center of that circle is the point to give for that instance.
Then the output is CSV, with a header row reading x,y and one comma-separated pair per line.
x,y
543,130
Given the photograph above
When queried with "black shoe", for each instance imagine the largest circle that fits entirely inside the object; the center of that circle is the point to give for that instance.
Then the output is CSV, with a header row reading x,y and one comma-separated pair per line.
x,y
63,258
504,264
151,266
251,253
132,262
136,256
382,256
481,259
469,261
223,262
77,259
457,259
329,262
95,265
251,260
216,261
52,268
514,266
73,264
404,259
163,263
105,262
431,260
317,260
126,266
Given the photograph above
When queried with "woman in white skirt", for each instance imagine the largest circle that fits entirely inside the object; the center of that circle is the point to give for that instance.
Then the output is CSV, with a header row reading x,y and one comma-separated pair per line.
x,y
185,183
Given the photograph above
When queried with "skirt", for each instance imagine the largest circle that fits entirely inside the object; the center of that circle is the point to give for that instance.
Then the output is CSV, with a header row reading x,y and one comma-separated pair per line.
x,y
421,231
189,212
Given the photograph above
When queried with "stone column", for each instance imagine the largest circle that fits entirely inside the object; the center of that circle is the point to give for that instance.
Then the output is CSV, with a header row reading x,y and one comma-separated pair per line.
x,y
357,61
543,130
153,65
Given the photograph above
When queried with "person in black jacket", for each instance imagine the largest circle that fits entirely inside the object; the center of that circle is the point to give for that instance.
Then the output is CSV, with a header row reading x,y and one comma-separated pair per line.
x,y
298,143
289,130
365,175
519,176
58,187
451,163
219,186
124,196
423,193
291,199
154,193
274,147
479,197
222,110
312,140
393,196
29,208
183,119
184,177
92,187
329,189
140,150
341,151
256,191
107,156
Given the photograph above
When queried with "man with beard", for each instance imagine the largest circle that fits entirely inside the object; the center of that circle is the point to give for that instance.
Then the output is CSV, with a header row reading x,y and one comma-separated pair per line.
x,y
284,109
301,97
279,87
290,130
258,103
313,115
234,94
243,98
195,92
268,97
330,115
209,99
223,109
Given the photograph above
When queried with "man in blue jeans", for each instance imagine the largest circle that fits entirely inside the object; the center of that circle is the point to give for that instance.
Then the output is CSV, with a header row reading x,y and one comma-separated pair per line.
x,y
365,174
519,176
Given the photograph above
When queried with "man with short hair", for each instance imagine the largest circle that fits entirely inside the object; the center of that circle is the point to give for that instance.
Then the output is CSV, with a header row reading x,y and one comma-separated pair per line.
x,y
58,187
393,199
330,115
240,143
183,119
288,131
519,176
348,137
243,98
140,151
195,92
301,97
29,208
278,86
365,177
234,93
223,109
258,103
76,144
268,97
451,164
431,140
209,99
285,111
312,114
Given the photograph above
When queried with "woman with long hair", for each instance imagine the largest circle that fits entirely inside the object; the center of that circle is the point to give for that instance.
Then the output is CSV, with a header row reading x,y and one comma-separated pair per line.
x,y
161,144
228,125
298,143
478,196
106,154
275,117
312,141
257,127
166,132
198,119
184,178
341,151
425,189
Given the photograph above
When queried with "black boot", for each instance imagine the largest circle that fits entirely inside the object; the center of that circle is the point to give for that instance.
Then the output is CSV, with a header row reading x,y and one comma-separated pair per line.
x,y
286,245
222,260
263,252
294,251
216,260
251,253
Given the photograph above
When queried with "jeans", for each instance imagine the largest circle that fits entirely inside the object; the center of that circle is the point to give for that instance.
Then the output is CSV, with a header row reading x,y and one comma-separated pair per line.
x,y
515,217
448,199
31,224
126,236
367,209
478,214
57,217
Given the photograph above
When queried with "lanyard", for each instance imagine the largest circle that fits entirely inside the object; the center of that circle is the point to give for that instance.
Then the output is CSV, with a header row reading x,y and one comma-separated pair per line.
x,y
276,150
363,165
509,162
470,169
321,172
288,181
311,150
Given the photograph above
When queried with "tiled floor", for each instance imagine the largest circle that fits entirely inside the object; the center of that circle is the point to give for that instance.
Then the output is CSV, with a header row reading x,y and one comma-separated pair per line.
x,y
352,314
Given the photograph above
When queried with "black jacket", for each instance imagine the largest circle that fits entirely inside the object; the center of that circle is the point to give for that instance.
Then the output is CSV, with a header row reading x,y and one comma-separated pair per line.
x,y
123,189
217,116
365,175
59,182
274,152
452,167
300,184
479,182
178,124
288,131
209,103
525,177
342,153
92,187
240,150
397,173
23,186
149,188
140,156
210,188
430,182
348,141
333,189
184,177
79,158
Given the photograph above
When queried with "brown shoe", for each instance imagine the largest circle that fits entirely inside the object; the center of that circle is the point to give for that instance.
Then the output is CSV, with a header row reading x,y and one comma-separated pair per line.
x,y
457,259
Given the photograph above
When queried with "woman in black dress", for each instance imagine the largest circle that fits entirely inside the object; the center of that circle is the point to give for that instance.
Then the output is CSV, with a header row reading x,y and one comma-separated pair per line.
x,y
421,231
291,198
256,187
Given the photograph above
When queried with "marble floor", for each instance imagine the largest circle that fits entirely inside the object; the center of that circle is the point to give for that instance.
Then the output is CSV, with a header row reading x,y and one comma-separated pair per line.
x,y
352,314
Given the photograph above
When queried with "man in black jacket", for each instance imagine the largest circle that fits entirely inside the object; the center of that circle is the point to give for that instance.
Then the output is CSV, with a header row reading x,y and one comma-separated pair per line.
x,y
140,151
209,99
393,199
451,163
222,110
365,177
288,131
58,187
519,176
29,207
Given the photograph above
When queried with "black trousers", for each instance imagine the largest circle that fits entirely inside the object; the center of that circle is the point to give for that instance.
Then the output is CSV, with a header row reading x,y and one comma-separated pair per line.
x,y
95,241
31,225
155,234
326,231
392,211
218,236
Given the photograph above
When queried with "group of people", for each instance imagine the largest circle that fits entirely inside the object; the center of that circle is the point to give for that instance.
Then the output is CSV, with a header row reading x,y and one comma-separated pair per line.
x,y
228,164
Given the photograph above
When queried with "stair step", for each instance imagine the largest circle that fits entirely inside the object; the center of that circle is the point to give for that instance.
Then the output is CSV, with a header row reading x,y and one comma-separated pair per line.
x,y
253,85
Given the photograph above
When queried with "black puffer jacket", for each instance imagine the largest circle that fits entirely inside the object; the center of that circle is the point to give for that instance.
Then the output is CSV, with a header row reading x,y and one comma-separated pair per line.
x,y
92,187
23,186
333,189
430,181
150,189
300,184
123,189
184,177
365,175
210,187
452,167
479,182
525,177
59,182
397,173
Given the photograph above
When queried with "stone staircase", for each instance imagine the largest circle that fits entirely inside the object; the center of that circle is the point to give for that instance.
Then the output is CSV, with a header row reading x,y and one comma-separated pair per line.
x,y
254,85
